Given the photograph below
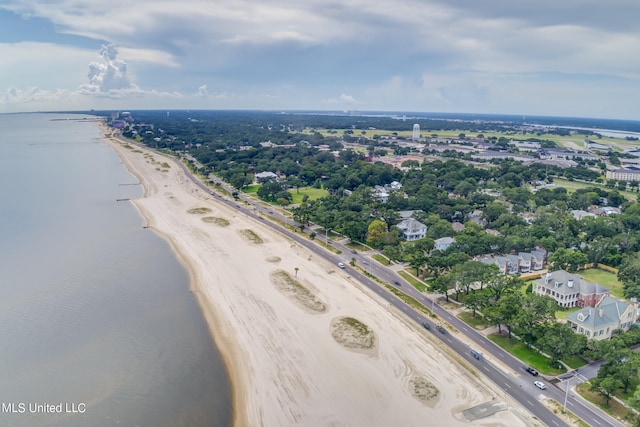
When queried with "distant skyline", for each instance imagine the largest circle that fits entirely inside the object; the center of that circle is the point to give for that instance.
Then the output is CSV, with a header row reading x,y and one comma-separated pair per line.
x,y
573,58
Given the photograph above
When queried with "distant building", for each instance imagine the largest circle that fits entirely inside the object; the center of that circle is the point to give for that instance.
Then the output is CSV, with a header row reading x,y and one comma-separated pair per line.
x,y
570,290
443,243
265,176
601,321
631,174
412,229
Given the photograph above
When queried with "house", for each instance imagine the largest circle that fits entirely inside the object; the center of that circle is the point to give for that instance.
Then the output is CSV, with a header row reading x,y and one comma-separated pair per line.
x,y
599,322
380,194
265,176
412,229
569,290
579,214
443,243
524,262
537,259
457,226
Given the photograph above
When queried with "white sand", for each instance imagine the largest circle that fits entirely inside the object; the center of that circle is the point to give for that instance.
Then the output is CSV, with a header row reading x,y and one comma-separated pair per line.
x,y
284,364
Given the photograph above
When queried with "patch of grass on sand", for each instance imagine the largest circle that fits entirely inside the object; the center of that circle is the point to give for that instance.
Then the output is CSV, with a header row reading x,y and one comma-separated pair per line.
x,y
294,289
352,333
165,165
199,211
251,235
423,389
568,416
215,220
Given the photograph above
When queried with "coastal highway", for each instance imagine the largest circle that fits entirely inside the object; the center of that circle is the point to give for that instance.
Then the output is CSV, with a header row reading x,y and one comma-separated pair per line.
x,y
513,381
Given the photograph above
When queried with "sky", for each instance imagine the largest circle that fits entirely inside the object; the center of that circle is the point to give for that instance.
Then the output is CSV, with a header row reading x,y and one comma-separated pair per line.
x,y
576,58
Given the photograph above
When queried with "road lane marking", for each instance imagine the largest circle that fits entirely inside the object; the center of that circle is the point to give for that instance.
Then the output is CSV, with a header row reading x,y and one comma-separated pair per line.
x,y
506,384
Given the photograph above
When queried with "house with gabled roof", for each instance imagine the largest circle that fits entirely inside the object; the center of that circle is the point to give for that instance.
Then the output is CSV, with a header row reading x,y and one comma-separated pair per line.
x,y
599,322
412,229
569,290
443,243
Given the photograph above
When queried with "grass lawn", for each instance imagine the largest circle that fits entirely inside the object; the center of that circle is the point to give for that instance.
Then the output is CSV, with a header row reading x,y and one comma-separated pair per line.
x,y
572,186
381,259
313,193
613,408
251,189
574,362
605,278
527,355
562,314
477,322
418,284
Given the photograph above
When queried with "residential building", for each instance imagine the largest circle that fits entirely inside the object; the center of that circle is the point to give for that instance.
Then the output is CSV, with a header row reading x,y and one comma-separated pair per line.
x,y
265,176
524,262
412,229
443,243
609,315
569,290
630,174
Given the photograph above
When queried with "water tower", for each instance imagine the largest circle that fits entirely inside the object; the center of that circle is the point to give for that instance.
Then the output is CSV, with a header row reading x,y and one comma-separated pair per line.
x,y
416,131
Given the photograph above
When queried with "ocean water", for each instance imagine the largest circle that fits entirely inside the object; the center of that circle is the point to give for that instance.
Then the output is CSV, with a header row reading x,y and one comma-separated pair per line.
x,y
97,324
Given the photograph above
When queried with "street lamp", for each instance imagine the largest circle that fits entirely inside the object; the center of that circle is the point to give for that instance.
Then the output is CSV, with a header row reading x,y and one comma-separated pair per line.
x,y
566,393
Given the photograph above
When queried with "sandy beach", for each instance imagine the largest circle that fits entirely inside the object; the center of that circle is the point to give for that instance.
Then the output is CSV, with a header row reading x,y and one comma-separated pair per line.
x,y
277,314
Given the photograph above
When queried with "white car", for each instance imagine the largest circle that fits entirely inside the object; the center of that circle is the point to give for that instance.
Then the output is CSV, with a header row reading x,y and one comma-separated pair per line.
x,y
540,385
341,265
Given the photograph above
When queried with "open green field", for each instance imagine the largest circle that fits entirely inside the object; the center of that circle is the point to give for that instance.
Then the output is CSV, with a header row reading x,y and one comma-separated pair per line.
x,y
606,279
576,141
251,189
572,186
313,193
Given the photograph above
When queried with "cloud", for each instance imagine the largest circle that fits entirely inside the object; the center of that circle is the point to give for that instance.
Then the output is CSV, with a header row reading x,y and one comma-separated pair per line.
x,y
343,99
110,75
203,91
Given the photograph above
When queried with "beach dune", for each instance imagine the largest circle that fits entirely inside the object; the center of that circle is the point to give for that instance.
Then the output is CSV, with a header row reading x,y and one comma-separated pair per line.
x,y
305,345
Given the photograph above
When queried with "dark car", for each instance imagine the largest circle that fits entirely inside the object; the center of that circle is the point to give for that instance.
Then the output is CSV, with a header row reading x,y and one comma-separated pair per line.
x,y
442,330
397,283
426,326
531,371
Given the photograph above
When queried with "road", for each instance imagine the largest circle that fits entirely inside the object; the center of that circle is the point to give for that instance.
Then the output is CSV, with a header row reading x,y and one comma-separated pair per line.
x,y
517,383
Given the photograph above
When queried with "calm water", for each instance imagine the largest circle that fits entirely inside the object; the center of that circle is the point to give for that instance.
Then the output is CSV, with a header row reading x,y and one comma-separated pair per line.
x,y
95,311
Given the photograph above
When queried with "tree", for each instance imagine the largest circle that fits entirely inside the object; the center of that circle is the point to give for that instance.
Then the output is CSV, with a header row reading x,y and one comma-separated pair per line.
x,y
567,259
375,232
476,301
559,341
629,275
605,386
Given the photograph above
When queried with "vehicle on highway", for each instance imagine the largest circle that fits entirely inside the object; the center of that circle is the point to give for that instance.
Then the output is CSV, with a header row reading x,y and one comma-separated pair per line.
x,y
531,371
442,330
397,283
353,251
476,354
426,326
341,265
540,385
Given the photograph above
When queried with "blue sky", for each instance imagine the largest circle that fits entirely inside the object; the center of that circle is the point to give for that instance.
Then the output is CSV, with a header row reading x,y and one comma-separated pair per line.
x,y
548,57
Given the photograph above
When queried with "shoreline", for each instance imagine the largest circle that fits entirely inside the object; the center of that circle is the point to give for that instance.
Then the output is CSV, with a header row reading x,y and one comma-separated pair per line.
x,y
284,365
218,337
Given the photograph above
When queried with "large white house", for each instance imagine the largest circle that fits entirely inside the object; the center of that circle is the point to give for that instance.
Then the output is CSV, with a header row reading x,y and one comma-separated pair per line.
x,y
412,229
601,321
